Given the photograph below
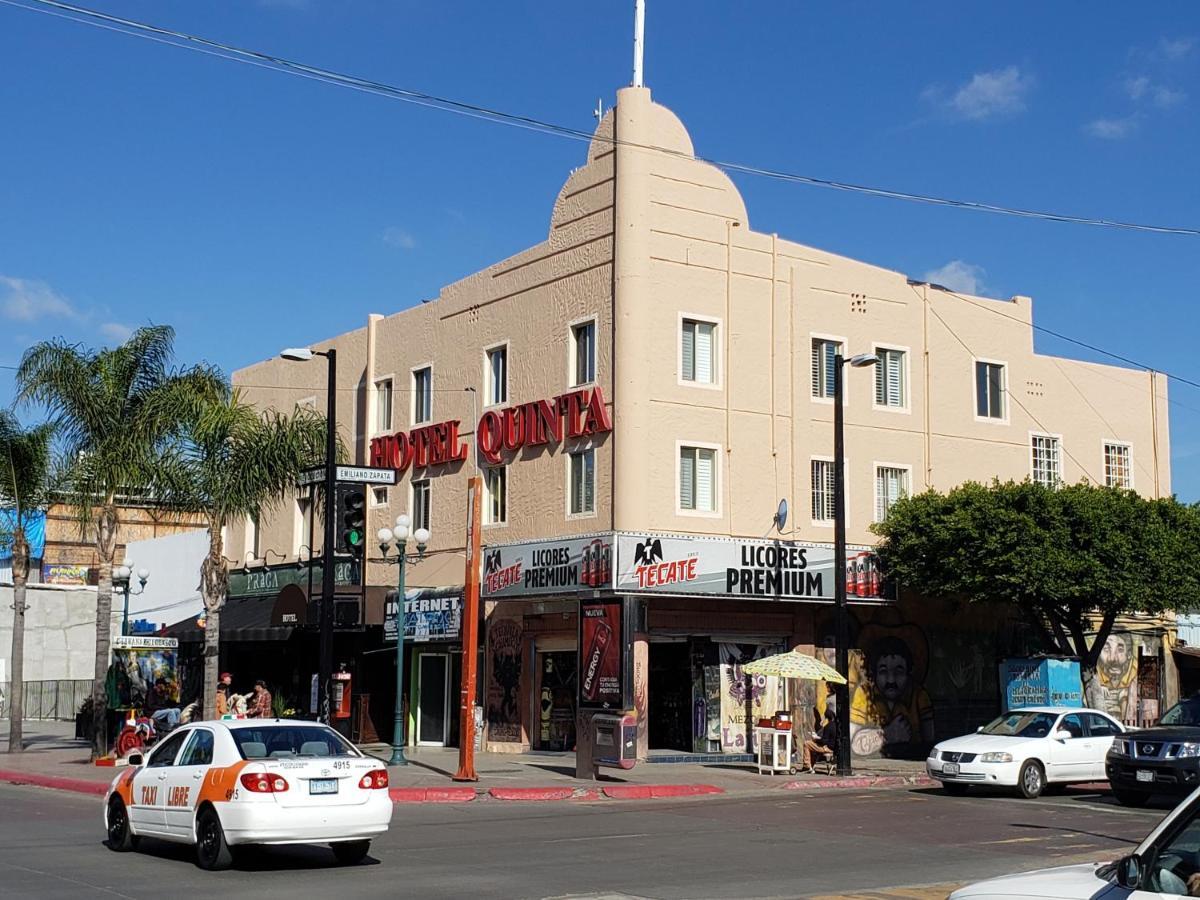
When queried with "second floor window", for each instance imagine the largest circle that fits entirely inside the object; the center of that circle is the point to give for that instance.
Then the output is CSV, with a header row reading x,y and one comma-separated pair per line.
x,y
496,389
253,539
1118,471
989,390
422,508
890,384
824,366
698,479
495,498
822,490
383,405
582,485
891,484
698,360
422,396
1046,468
583,353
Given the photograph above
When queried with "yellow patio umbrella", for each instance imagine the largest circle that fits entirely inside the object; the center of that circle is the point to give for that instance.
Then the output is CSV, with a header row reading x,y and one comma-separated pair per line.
x,y
793,664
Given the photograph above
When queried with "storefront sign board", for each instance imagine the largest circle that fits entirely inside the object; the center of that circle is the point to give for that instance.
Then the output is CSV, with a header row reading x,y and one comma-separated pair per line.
x,y
602,657
428,616
548,567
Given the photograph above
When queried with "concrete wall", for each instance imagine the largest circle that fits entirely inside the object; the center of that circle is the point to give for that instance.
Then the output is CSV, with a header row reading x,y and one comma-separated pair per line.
x,y
173,589
60,632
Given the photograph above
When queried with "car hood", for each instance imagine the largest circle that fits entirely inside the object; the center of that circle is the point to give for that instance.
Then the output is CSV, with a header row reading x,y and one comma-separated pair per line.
x,y
1165,733
986,743
1064,883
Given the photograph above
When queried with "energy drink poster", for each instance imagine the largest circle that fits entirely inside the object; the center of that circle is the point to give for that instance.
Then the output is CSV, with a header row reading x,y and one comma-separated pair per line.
x,y
601,661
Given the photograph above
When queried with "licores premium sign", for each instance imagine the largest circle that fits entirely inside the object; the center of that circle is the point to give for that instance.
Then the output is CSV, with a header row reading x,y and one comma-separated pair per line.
x,y
575,414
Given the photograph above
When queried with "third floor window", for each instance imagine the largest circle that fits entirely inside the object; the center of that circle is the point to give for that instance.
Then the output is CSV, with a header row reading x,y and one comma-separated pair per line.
x,y
383,405
891,388
824,366
1118,468
496,387
989,390
698,359
422,396
583,353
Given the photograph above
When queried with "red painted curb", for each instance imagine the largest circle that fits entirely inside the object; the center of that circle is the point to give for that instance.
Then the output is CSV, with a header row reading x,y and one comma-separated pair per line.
x,y
532,793
657,791
57,782
431,795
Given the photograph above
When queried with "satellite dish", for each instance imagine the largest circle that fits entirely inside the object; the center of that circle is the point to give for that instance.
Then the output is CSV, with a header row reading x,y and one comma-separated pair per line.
x,y
781,515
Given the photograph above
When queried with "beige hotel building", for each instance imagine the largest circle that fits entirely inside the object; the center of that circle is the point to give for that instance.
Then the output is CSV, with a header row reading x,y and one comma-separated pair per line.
x,y
639,390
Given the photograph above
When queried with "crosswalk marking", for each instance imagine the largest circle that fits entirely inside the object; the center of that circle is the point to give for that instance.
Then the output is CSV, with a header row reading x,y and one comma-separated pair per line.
x,y
915,892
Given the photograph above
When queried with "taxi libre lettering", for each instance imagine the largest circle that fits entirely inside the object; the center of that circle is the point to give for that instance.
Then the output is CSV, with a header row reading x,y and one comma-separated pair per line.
x,y
149,795
178,796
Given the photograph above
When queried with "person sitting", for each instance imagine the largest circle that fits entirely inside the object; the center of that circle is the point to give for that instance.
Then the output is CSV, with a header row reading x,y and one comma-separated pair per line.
x,y
822,744
261,706
165,713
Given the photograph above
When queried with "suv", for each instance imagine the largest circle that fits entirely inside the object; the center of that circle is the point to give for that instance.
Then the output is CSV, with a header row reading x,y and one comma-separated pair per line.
x,y
1164,759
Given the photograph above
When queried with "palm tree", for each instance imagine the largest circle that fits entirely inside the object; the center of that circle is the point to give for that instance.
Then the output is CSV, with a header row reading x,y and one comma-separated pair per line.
x,y
114,410
234,463
24,488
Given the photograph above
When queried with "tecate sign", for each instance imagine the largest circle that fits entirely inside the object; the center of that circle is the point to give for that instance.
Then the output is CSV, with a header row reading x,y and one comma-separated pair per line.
x,y
547,567
766,570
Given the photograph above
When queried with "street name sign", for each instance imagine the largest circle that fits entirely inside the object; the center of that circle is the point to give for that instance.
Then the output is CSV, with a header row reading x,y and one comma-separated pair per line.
x,y
355,474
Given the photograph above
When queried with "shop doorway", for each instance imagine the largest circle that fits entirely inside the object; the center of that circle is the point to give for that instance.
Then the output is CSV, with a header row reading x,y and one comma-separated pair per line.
x,y
670,700
556,706
433,699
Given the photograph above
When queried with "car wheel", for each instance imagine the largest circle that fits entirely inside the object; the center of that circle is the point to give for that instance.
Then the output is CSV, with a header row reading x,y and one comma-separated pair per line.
x,y
120,837
1131,798
1032,780
954,789
212,853
350,852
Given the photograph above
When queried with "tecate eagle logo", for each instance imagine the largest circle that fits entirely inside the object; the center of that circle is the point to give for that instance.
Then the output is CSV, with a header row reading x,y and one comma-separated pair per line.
x,y
651,571
496,576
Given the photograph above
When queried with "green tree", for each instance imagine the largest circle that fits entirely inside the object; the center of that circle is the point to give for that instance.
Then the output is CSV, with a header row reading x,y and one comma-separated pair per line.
x,y
233,463
114,409
1071,559
25,479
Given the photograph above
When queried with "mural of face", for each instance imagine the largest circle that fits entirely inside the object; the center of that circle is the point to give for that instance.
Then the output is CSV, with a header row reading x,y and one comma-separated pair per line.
x,y
1116,657
891,676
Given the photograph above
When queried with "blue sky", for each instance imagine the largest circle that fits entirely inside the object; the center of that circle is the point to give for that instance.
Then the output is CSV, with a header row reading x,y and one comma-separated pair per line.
x,y
254,210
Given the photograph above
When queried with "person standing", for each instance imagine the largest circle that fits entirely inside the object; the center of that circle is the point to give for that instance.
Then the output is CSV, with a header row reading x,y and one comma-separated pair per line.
x,y
261,702
222,699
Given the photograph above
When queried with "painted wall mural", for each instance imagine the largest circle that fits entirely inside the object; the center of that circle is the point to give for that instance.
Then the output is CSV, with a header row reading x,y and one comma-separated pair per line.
x,y
745,698
504,681
1113,688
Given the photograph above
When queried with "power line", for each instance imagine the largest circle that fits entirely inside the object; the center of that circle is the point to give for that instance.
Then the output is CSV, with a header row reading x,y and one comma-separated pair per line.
x,y
233,53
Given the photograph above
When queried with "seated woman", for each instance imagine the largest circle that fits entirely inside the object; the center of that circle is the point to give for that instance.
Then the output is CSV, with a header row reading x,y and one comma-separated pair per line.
x,y
824,743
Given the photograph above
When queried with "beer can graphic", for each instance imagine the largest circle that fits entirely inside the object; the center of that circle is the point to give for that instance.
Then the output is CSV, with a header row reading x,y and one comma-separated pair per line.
x,y
852,575
593,659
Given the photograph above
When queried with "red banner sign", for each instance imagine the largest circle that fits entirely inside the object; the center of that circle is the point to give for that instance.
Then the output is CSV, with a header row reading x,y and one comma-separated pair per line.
x,y
601,662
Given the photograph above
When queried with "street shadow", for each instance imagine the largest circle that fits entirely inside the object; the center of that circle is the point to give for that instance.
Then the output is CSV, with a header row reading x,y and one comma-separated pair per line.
x,y
1074,831
569,772
289,857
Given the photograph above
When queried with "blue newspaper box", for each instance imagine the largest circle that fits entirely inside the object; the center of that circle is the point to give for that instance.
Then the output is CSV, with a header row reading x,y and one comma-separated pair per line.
x,y
1041,681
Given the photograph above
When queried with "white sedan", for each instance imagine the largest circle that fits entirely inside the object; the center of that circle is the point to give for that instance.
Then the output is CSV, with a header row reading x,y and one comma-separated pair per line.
x,y
1166,864
218,785
1028,749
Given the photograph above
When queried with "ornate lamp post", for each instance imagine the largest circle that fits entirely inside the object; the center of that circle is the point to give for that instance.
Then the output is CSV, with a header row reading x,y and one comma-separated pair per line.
x,y
121,576
400,535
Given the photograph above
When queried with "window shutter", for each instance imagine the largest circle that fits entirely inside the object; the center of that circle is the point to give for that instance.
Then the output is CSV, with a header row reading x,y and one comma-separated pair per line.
x,y
704,353
830,367
689,351
895,378
817,349
881,381
705,463
687,478
589,481
981,401
996,391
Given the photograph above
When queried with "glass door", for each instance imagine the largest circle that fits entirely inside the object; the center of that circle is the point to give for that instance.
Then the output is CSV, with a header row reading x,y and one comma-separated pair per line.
x,y
433,689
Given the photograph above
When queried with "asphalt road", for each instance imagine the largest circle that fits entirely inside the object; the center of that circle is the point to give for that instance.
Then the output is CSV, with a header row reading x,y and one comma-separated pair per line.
x,y
839,844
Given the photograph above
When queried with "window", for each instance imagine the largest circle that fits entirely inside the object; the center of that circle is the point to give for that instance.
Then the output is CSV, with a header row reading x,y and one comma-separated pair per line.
x,y
1045,460
495,507
1073,725
1170,862
1117,469
199,750
698,479
582,482
989,390
422,395
1099,726
891,387
164,754
300,524
583,352
824,366
383,405
421,507
253,547
891,483
495,387
379,496
698,352
822,490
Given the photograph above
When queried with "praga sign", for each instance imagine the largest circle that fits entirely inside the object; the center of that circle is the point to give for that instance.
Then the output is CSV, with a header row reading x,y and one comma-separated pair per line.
x,y
575,414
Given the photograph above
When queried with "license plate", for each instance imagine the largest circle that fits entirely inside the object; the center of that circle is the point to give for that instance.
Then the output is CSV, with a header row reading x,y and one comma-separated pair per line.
x,y
1143,775
322,786
949,768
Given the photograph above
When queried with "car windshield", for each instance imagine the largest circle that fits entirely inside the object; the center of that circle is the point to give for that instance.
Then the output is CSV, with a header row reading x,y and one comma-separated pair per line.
x,y
1021,723
1186,712
287,741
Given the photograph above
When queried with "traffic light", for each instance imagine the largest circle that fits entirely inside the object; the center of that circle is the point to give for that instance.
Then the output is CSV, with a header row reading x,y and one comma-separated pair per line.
x,y
352,502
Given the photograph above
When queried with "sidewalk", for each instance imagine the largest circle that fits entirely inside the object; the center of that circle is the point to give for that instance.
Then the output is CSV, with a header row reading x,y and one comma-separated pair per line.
x,y
53,758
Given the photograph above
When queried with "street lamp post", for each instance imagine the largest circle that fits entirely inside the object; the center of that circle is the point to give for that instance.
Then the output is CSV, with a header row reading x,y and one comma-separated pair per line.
x,y
325,651
839,555
400,535
122,575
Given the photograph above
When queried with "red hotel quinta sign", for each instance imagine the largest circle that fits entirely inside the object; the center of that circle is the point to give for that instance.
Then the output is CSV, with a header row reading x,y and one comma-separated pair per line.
x,y
572,415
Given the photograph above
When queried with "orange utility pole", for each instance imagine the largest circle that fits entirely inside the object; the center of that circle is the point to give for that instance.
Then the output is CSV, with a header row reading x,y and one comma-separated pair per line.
x,y
470,636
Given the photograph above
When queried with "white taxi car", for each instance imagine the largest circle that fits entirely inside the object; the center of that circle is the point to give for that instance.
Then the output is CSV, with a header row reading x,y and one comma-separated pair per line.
x,y
222,784
1028,749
